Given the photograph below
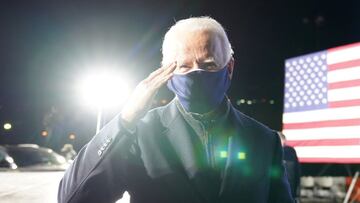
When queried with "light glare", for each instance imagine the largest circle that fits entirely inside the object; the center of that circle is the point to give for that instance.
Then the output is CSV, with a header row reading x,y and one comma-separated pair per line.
x,y
104,90
223,154
7,126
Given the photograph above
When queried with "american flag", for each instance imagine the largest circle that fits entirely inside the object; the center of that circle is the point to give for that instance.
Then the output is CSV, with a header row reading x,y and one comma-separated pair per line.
x,y
321,116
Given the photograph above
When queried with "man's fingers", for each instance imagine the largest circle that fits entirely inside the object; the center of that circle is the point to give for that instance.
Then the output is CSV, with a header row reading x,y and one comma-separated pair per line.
x,y
163,70
145,91
162,80
155,73
168,72
171,68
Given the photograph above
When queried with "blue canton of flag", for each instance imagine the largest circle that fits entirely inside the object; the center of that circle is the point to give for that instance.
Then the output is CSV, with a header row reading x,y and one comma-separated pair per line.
x,y
306,83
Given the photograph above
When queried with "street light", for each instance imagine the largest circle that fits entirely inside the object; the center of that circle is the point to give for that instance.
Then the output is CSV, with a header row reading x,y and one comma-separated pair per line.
x,y
104,90
7,126
44,133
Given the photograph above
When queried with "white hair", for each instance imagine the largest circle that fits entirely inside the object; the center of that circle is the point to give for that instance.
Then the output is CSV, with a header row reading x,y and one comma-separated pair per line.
x,y
204,23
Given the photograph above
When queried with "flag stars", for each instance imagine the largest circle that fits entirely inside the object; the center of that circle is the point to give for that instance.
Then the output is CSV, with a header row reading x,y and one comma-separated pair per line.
x,y
305,97
305,80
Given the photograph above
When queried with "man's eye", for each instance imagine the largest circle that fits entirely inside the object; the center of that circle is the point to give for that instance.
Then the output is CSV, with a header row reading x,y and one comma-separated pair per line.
x,y
211,67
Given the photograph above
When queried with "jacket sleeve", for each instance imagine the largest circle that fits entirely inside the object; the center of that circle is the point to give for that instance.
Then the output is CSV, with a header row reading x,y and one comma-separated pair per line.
x,y
279,185
297,175
97,173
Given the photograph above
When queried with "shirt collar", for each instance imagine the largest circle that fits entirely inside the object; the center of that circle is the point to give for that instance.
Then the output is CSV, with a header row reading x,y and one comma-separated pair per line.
x,y
217,115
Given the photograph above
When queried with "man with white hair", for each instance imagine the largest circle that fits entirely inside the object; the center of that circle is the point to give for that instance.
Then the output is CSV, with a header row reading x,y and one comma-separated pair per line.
x,y
198,148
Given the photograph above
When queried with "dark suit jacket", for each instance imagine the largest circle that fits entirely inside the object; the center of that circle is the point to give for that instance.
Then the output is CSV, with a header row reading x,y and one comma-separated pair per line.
x,y
293,170
163,161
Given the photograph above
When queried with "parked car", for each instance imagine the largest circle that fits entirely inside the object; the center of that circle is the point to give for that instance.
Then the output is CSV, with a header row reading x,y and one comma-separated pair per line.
x,y
30,157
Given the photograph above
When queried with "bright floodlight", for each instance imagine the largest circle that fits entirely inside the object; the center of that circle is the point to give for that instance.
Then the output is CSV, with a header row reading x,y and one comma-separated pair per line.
x,y
104,90
7,126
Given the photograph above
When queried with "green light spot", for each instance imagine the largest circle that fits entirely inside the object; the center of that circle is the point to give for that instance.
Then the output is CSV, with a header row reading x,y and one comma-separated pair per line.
x,y
223,154
275,172
242,155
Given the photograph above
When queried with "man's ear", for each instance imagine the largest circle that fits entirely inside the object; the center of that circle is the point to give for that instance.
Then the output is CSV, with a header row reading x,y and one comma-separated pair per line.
x,y
230,67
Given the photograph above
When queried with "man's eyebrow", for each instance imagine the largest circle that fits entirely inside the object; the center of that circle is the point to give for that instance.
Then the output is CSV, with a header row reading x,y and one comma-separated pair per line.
x,y
210,60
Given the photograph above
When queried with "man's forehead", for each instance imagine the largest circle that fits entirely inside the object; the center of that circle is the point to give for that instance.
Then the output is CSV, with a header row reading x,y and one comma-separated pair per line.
x,y
201,46
199,39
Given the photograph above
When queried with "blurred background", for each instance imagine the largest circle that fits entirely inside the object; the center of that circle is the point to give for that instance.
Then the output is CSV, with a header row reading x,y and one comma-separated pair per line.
x,y
48,48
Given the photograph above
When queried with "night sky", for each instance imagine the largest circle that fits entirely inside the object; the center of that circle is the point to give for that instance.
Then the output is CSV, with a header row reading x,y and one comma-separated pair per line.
x,y
47,46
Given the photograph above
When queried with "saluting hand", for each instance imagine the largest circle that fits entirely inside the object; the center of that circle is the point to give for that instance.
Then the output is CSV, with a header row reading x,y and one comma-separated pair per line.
x,y
141,99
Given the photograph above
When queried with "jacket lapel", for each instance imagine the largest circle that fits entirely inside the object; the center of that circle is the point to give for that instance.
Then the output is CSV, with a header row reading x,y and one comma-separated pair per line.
x,y
235,146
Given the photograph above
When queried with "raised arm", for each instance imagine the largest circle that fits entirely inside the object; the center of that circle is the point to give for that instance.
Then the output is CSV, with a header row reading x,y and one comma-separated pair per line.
x,y
97,174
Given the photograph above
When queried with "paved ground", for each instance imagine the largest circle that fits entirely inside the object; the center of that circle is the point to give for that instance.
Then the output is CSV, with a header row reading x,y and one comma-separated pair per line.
x,y
33,187
41,187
